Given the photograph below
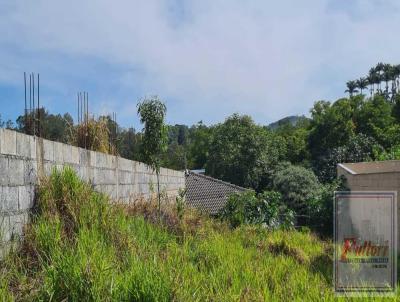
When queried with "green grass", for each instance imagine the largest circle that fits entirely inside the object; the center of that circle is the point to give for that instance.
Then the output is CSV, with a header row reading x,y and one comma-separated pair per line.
x,y
80,248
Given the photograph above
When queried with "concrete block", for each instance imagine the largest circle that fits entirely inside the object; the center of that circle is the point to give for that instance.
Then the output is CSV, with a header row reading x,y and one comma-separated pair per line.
x,y
124,177
75,155
8,141
128,190
33,142
30,172
140,167
26,196
58,152
48,150
23,145
93,159
110,176
124,164
67,153
4,179
9,199
16,171
144,188
101,160
48,168
79,171
5,230
97,176
108,161
114,161
142,178
84,155
17,223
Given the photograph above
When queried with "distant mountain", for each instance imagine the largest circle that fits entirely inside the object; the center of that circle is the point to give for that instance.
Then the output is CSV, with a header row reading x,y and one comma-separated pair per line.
x,y
293,120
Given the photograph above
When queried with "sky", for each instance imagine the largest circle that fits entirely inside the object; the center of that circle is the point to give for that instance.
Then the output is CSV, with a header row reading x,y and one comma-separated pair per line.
x,y
205,59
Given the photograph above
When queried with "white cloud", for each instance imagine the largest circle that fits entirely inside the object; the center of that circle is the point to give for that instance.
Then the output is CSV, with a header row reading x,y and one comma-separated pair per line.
x,y
208,58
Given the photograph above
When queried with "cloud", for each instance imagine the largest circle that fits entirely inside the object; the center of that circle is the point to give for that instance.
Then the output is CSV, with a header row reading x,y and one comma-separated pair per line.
x,y
207,58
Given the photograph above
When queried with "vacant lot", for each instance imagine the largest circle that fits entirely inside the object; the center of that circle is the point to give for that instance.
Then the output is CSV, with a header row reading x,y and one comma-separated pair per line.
x,y
79,248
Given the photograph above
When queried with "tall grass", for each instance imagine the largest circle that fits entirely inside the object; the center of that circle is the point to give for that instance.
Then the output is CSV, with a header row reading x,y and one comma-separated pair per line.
x,y
93,135
80,248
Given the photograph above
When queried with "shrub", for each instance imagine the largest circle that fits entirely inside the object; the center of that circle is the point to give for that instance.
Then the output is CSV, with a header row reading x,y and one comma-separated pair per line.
x,y
93,135
250,208
299,187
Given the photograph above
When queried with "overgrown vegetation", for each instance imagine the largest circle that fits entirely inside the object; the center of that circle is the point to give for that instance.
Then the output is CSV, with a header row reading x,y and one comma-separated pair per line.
x,y
93,135
266,209
80,248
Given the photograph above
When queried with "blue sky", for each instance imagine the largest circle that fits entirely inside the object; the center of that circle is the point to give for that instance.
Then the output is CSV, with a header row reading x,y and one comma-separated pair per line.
x,y
206,59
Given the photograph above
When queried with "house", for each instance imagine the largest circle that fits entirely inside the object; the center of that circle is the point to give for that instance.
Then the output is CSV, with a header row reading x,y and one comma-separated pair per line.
x,y
372,176
206,193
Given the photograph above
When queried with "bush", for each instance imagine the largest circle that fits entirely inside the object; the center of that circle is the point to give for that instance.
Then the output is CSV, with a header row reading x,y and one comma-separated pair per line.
x,y
299,188
250,208
93,135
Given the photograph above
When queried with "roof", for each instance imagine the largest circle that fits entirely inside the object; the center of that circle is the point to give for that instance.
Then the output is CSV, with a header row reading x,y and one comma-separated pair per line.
x,y
198,171
373,167
207,193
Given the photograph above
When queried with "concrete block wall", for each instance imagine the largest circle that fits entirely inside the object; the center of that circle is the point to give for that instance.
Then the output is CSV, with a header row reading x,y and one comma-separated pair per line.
x,y
24,159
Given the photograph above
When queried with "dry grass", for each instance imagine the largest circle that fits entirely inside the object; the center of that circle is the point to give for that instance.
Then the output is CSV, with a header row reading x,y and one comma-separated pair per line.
x,y
93,135
190,224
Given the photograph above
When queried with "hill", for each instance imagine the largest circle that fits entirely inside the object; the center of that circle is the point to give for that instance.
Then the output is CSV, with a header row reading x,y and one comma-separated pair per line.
x,y
292,120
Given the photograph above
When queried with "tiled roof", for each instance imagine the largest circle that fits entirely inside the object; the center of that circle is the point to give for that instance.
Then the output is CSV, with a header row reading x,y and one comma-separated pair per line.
x,y
207,193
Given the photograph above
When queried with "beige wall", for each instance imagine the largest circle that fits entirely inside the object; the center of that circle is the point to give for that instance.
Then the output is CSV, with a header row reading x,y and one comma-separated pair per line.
x,y
384,181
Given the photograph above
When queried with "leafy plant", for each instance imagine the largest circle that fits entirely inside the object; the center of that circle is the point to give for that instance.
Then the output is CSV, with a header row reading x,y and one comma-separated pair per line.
x,y
299,187
154,142
264,209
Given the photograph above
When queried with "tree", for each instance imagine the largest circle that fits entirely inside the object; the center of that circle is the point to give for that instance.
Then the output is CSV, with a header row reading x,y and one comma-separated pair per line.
x,y
351,87
128,143
242,152
55,127
154,142
6,124
374,118
296,139
359,148
372,80
362,83
299,187
331,125
200,139
387,75
379,71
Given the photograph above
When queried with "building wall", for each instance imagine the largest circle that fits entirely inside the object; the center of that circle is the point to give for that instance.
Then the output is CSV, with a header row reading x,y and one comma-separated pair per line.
x,y
25,159
385,181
